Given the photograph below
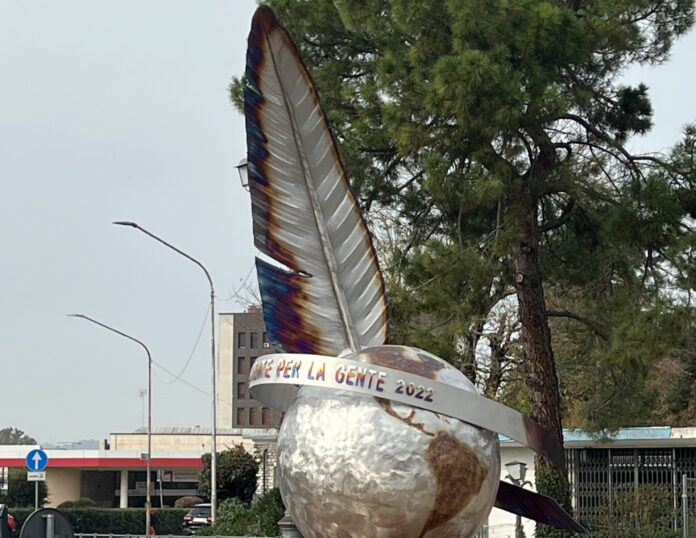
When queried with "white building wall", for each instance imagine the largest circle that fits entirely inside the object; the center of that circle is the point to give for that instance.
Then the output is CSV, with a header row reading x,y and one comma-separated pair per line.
x,y
63,485
172,442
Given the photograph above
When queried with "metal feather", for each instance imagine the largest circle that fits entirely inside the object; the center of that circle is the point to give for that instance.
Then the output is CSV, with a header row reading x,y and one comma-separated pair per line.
x,y
331,298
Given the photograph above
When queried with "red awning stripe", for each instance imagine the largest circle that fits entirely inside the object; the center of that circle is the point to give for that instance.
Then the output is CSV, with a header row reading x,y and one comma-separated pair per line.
x,y
109,463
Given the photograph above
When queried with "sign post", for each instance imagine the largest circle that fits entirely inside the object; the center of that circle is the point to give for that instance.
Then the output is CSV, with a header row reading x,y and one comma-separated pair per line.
x,y
36,461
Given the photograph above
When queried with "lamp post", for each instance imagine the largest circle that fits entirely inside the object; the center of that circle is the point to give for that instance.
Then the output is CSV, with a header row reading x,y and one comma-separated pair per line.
x,y
517,471
148,497
243,169
213,447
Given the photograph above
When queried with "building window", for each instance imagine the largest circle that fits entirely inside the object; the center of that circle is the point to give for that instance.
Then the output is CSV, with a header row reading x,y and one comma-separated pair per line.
x,y
254,340
241,339
265,416
265,337
254,418
242,365
251,362
241,391
241,416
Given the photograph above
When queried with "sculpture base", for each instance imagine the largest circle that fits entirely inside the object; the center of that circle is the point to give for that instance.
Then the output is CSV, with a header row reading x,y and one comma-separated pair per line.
x,y
287,527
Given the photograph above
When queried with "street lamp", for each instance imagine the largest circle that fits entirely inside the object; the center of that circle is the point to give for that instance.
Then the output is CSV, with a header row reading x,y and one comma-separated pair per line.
x,y
243,169
517,471
213,451
148,498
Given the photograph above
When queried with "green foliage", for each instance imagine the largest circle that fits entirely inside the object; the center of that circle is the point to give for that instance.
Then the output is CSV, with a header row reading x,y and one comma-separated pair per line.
x,y
487,139
20,515
646,512
83,502
15,436
237,519
114,520
236,475
20,492
556,487
187,501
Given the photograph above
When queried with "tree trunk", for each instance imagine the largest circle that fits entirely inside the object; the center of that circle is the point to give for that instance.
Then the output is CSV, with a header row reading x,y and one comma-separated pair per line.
x,y
542,379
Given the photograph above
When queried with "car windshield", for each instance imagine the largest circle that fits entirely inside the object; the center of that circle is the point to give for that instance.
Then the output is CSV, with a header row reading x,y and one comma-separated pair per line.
x,y
200,511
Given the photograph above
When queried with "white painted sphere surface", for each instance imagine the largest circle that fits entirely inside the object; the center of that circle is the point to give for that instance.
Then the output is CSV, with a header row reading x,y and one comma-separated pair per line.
x,y
353,466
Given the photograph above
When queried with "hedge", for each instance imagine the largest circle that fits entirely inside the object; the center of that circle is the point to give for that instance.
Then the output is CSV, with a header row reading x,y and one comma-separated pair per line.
x,y
114,520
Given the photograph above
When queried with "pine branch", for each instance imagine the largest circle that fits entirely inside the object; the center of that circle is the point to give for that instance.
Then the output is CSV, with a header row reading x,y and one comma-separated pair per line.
x,y
560,221
577,317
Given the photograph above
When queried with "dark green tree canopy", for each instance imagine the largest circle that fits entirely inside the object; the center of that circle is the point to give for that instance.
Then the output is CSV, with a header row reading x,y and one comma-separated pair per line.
x,y
487,140
15,436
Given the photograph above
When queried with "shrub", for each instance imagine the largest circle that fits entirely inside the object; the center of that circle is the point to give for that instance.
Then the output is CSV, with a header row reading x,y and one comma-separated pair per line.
x,y
646,512
114,520
20,493
234,518
83,502
187,502
20,515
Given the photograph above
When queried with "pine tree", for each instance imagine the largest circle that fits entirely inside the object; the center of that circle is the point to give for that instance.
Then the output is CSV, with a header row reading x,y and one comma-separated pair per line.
x,y
494,132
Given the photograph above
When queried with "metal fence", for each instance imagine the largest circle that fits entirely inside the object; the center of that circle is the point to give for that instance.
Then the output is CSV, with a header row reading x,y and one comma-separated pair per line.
x,y
604,481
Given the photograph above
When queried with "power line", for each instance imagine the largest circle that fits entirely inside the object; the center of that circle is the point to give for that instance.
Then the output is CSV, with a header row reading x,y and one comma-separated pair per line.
x,y
195,345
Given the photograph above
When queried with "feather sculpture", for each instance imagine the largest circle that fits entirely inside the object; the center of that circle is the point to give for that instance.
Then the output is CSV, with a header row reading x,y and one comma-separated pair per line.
x,y
331,298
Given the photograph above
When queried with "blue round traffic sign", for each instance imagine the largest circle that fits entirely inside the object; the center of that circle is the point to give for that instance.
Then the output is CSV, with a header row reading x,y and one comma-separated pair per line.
x,y
37,460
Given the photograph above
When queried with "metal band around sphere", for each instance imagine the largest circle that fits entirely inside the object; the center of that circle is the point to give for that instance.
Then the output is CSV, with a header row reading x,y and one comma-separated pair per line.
x,y
275,380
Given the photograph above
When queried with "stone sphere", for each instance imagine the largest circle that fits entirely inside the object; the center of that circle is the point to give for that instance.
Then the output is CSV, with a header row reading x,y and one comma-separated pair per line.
x,y
353,466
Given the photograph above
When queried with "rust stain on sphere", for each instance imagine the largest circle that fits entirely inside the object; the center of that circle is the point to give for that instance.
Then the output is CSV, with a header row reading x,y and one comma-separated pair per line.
x,y
459,474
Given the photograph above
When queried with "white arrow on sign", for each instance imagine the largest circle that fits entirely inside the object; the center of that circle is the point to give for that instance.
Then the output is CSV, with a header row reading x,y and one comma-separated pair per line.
x,y
37,461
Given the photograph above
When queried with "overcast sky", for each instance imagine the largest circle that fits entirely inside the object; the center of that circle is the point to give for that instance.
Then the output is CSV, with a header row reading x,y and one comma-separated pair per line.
x,y
118,110
115,110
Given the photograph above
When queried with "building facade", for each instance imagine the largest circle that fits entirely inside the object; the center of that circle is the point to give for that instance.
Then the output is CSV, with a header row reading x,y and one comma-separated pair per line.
x,y
607,473
115,475
112,478
242,339
601,471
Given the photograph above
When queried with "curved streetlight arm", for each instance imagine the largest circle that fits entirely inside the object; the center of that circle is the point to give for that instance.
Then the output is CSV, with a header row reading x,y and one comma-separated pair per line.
x,y
148,497
213,441
518,482
165,243
149,357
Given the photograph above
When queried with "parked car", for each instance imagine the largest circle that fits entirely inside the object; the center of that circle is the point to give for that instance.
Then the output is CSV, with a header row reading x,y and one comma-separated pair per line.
x,y
198,516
